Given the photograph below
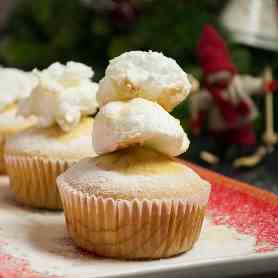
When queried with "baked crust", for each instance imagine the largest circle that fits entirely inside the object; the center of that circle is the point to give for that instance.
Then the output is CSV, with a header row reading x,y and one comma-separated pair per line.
x,y
53,143
136,173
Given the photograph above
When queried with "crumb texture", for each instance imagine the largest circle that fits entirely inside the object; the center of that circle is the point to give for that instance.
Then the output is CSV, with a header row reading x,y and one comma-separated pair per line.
x,y
53,143
136,173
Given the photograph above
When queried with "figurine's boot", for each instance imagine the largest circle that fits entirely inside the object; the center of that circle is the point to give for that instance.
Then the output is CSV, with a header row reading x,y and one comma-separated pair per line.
x,y
250,157
209,157
217,154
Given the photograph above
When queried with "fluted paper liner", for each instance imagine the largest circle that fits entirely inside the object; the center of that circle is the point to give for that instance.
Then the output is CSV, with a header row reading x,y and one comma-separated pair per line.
x,y
131,229
33,180
2,162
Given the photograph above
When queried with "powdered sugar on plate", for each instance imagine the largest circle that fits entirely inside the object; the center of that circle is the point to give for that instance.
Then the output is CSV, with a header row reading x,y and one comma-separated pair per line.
x,y
37,242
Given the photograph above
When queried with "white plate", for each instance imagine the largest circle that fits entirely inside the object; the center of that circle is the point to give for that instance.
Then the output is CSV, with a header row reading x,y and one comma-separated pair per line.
x,y
37,241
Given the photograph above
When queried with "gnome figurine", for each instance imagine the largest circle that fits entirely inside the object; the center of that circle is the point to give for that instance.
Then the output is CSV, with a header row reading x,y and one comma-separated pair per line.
x,y
225,99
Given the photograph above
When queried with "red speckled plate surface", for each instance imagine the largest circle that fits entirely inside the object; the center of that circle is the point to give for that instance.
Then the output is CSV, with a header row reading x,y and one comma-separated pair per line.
x,y
240,236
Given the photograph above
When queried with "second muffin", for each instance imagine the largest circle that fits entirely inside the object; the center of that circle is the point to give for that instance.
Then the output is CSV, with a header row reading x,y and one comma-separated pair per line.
x,y
35,157
14,85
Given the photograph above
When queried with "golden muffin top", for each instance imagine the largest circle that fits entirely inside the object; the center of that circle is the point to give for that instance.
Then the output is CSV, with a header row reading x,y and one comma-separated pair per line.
x,y
53,142
136,173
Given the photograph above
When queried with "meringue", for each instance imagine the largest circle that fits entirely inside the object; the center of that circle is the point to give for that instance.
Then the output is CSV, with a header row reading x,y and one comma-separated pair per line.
x,y
121,124
63,95
149,75
14,85
135,201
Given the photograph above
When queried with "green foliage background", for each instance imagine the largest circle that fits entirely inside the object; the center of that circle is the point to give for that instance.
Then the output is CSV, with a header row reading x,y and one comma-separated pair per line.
x,y
42,32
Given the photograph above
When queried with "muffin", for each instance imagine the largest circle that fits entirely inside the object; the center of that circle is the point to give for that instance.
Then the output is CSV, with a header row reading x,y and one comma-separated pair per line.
x,y
14,85
135,200
62,101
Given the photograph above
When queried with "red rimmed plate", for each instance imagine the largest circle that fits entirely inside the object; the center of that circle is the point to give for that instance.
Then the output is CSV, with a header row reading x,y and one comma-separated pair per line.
x,y
240,236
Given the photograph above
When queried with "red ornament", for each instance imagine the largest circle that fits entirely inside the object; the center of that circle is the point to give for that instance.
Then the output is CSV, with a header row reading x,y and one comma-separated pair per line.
x,y
213,53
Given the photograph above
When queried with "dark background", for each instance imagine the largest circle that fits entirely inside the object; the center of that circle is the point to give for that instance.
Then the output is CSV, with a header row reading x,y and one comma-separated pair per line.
x,y
38,33
35,33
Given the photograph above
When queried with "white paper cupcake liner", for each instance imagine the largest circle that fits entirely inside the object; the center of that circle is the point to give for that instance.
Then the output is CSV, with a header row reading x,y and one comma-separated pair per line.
x,y
131,229
2,161
33,180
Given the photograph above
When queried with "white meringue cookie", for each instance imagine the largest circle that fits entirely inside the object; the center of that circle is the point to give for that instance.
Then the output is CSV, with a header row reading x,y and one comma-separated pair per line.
x,y
149,75
15,85
63,95
138,121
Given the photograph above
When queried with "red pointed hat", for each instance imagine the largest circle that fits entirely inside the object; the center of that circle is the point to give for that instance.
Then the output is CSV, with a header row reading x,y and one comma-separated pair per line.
x,y
213,53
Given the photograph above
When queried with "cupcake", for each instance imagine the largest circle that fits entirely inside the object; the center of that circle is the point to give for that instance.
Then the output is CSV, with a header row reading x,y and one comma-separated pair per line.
x,y
62,101
14,85
135,200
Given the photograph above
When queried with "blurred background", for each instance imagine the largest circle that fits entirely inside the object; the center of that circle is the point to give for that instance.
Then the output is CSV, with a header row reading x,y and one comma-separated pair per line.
x,y
38,33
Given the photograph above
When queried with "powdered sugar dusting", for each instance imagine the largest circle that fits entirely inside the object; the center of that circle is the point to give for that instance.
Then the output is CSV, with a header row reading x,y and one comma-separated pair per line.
x,y
92,177
54,144
246,214
40,243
